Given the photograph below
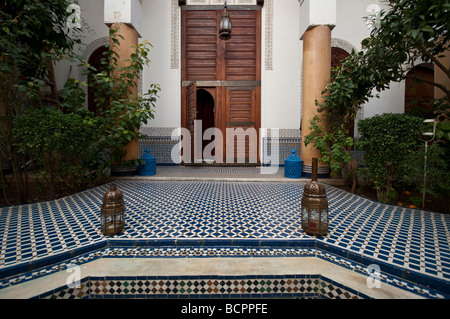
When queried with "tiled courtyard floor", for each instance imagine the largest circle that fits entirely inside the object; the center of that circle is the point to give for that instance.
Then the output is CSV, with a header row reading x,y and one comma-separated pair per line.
x,y
204,214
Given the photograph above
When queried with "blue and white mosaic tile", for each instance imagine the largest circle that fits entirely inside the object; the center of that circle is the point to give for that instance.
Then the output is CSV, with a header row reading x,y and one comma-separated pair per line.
x,y
216,213
221,252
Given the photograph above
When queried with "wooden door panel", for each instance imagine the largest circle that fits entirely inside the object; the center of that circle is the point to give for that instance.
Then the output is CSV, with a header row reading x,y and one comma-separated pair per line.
x,y
191,116
241,122
241,105
241,52
205,58
418,94
200,45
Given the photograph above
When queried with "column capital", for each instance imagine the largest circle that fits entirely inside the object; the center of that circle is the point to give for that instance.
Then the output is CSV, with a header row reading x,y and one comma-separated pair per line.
x,y
316,12
124,11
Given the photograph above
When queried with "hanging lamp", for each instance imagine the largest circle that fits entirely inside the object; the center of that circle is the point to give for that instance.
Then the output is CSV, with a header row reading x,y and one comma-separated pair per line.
x,y
225,24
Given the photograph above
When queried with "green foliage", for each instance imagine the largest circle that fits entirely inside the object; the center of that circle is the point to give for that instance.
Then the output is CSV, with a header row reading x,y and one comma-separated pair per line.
x,y
32,34
437,181
332,143
115,95
416,200
441,109
387,197
388,140
409,31
72,95
63,147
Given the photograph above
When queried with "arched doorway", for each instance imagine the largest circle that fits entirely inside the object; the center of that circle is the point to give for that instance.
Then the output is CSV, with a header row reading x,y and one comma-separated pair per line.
x,y
95,61
419,94
205,113
337,57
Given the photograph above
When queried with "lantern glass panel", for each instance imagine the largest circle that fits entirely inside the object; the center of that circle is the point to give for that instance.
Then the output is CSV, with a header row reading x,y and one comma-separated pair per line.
x,y
324,216
112,212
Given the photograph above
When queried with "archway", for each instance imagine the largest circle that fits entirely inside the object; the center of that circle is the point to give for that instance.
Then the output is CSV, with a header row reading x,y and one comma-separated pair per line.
x,y
419,94
95,61
337,57
205,113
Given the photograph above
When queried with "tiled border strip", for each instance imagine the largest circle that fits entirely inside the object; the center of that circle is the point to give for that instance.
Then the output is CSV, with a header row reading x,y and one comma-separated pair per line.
x,y
248,286
420,279
117,249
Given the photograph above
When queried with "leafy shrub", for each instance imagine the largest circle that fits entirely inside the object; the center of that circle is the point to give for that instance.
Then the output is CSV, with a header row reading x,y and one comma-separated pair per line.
x,y
437,182
116,96
63,148
388,140
333,142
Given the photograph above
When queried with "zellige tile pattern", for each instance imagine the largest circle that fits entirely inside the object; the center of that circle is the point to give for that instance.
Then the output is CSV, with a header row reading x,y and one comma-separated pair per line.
x,y
215,213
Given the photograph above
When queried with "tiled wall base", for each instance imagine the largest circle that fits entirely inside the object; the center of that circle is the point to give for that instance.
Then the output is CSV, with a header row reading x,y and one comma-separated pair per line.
x,y
160,143
300,289
287,286
285,146
160,147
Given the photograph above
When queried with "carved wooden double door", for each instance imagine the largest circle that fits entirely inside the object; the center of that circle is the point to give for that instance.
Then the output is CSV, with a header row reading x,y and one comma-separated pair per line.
x,y
221,84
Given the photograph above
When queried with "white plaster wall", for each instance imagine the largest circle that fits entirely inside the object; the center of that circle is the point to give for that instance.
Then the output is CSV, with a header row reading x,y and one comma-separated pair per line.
x,y
390,101
350,25
92,29
352,28
124,11
156,26
280,87
317,12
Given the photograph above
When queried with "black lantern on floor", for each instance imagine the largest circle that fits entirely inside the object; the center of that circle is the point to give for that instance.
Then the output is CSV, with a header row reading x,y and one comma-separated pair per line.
x,y
113,212
225,24
315,205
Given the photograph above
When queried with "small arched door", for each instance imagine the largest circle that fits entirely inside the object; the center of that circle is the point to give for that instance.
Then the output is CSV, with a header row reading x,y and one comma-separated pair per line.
x,y
205,113
337,57
95,61
419,94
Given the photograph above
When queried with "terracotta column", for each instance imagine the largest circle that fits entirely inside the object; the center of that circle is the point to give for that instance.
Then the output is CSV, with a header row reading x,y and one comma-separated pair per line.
x,y
127,47
316,76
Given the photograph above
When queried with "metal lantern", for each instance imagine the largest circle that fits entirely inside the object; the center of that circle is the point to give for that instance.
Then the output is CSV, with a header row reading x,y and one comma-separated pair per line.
x,y
113,212
314,206
225,24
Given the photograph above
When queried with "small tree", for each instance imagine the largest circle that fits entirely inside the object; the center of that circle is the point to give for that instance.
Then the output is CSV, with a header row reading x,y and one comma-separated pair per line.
x,y
437,171
32,35
124,111
388,141
62,146
409,31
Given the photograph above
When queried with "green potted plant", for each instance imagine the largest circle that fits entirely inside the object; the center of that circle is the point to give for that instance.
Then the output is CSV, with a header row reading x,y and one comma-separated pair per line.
x,y
124,110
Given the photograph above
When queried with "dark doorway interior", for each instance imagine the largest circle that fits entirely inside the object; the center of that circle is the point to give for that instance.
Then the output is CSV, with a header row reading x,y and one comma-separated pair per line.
x,y
419,94
95,61
205,113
